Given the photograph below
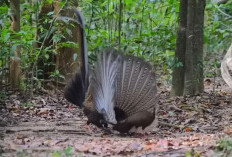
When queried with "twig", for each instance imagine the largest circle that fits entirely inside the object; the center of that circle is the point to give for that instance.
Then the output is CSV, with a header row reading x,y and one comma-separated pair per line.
x,y
5,85
4,69
55,82
171,125
229,16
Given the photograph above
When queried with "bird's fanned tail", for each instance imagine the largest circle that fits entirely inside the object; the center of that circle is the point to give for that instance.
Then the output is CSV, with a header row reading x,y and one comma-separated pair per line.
x,y
122,88
103,86
226,67
136,86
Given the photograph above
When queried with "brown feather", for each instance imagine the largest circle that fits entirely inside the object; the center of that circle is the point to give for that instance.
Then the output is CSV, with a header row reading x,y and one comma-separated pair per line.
x,y
139,119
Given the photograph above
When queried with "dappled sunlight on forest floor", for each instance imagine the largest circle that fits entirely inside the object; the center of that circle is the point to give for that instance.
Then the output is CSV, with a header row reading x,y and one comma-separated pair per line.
x,y
49,125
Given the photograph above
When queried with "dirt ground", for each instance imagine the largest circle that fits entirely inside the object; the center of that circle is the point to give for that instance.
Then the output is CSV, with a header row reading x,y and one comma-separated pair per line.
x,y
47,125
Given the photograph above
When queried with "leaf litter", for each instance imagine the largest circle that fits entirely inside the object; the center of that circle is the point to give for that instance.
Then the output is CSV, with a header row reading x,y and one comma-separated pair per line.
x,y
49,125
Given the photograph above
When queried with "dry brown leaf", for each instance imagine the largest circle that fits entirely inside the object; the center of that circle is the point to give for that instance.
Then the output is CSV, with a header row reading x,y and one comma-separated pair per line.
x,y
227,130
83,148
163,143
43,111
188,129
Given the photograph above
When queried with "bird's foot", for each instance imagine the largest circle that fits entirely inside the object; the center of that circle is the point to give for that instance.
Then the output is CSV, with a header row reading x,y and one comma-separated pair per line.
x,y
91,128
140,133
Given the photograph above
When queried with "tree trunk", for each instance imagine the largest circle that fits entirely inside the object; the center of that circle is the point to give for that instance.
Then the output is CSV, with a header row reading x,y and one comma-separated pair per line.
x,y
178,72
66,59
190,36
15,71
188,80
40,35
198,29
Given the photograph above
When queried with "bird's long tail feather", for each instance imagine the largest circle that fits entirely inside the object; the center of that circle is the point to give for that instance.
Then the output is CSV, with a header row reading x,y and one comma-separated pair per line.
x,y
76,89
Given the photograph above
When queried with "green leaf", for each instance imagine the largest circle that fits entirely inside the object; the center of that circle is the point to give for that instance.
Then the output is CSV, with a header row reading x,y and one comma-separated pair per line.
x,y
46,56
56,154
68,151
68,31
12,50
6,37
50,13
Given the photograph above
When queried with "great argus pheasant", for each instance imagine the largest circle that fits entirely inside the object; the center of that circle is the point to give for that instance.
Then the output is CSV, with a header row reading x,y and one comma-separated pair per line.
x,y
119,90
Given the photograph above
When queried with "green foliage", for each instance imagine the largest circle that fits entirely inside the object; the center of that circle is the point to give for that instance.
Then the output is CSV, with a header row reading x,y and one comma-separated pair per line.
x,y
224,146
213,67
56,74
67,44
30,55
192,153
67,151
218,30
148,29
27,104
56,154
3,95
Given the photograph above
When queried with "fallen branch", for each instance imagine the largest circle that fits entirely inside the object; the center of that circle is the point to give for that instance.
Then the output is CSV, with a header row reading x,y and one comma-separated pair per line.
x,y
172,125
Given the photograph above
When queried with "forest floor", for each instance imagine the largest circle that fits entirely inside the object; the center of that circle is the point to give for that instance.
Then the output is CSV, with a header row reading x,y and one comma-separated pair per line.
x,y
47,125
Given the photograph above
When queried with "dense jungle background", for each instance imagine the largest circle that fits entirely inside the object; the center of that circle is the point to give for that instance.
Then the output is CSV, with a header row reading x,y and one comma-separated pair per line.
x,y
184,41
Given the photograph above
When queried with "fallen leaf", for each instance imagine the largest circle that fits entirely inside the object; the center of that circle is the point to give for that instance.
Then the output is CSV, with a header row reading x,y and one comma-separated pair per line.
x,y
135,146
227,130
188,129
43,111
82,148
163,143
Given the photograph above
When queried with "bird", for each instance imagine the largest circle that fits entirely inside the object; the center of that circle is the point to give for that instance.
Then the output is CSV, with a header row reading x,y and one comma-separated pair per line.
x,y
226,67
140,119
120,90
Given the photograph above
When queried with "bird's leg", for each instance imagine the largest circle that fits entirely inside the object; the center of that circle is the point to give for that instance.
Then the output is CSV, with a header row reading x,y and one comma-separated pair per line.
x,y
140,132
89,127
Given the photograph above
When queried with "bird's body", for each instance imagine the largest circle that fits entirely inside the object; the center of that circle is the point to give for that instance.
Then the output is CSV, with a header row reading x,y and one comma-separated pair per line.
x,y
121,90
91,113
140,119
226,67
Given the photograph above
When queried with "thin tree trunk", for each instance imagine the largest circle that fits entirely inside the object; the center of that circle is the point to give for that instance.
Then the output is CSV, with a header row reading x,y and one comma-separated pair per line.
x,y
189,88
178,72
66,60
188,80
15,71
40,35
198,29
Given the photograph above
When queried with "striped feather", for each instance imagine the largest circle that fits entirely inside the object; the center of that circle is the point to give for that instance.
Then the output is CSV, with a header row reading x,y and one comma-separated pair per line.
x,y
103,84
136,86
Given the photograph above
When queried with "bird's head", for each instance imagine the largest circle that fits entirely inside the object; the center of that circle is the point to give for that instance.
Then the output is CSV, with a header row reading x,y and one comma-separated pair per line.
x,y
103,123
